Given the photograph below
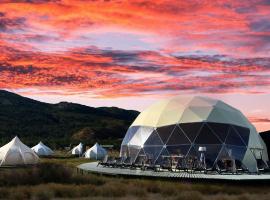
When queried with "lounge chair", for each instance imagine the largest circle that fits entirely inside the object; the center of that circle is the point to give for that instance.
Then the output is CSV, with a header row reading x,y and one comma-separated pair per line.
x,y
181,165
139,162
119,162
109,162
261,165
209,166
104,161
166,163
127,162
240,167
149,164
221,167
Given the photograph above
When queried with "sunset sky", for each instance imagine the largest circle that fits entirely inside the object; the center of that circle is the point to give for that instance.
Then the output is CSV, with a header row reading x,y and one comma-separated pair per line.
x,y
132,53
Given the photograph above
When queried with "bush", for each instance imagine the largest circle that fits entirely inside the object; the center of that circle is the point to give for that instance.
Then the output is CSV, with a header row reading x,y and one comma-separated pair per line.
x,y
189,195
20,193
111,189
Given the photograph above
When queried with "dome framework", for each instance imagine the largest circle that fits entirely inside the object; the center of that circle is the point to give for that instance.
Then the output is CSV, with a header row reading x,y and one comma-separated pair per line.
x,y
180,127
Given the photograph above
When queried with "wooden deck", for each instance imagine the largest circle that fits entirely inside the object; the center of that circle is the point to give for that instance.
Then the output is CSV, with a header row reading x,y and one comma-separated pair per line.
x,y
93,168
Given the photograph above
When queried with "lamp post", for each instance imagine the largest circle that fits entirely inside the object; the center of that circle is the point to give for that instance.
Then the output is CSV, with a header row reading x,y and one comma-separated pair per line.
x,y
202,151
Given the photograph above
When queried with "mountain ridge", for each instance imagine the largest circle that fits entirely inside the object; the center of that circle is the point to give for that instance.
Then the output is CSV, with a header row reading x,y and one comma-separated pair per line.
x,y
57,123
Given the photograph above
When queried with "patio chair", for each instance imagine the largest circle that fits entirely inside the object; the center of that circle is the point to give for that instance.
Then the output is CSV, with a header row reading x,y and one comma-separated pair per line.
x,y
261,165
138,163
127,162
166,164
197,165
150,165
209,166
181,165
119,162
221,167
104,161
109,162
240,167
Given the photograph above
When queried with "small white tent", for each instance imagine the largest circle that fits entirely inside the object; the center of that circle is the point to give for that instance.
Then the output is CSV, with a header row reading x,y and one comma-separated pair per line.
x,y
96,152
78,150
42,150
17,153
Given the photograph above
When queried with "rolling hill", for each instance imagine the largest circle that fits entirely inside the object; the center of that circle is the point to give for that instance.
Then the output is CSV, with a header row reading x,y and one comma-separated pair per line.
x,y
60,124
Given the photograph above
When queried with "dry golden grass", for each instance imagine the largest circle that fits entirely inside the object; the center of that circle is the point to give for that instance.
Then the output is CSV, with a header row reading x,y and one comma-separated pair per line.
x,y
55,179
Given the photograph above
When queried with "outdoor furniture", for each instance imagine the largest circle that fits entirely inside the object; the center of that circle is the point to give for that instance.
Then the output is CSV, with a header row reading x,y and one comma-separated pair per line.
x,y
222,166
240,167
119,162
103,162
166,163
149,164
181,164
109,162
261,165
139,162
209,166
127,162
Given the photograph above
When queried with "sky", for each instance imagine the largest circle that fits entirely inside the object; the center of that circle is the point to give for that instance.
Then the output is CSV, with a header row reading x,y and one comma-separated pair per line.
x,y
132,53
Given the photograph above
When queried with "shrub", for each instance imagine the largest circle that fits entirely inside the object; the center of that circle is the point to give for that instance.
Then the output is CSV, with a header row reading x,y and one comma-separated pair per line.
x,y
113,190
20,193
168,190
42,192
88,179
208,189
153,187
189,195
61,190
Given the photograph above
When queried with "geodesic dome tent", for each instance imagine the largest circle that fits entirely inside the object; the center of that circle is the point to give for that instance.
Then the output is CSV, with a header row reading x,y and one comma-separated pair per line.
x,y
96,152
78,150
42,150
17,153
180,126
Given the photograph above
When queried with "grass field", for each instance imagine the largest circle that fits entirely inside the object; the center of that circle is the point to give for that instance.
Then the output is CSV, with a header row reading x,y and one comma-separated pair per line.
x,y
55,178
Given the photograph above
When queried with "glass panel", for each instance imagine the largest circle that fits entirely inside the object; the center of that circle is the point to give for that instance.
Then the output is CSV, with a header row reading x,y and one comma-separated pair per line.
x,y
233,138
140,157
164,132
243,132
141,136
223,155
236,152
178,137
178,150
221,130
206,136
130,133
124,150
193,152
133,152
153,139
192,157
162,156
191,129
152,152
211,153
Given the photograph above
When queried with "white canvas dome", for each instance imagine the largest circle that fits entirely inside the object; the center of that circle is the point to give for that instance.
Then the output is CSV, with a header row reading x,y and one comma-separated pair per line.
x,y
78,150
42,150
17,153
96,152
181,125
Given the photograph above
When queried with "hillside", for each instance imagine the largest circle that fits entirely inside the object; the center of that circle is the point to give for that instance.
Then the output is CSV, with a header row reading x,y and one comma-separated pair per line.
x,y
60,124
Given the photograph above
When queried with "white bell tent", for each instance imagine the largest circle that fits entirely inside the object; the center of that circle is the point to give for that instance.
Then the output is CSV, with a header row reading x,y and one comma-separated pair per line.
x,y
42,150
17,153
78,150
96,152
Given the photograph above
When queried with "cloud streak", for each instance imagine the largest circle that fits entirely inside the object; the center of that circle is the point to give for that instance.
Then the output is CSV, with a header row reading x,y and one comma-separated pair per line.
x,y
115,49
